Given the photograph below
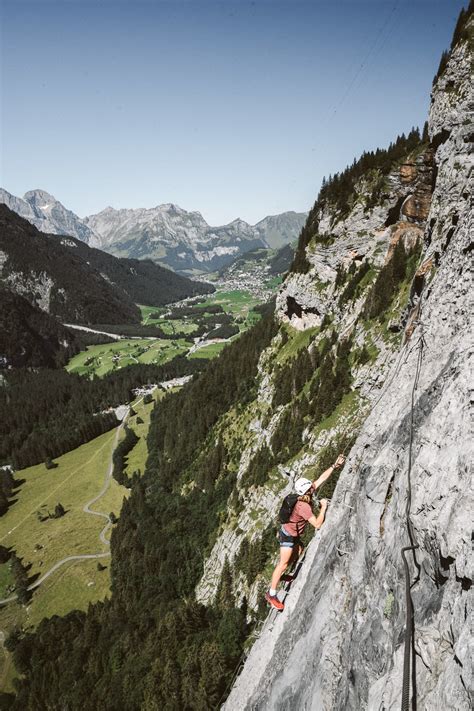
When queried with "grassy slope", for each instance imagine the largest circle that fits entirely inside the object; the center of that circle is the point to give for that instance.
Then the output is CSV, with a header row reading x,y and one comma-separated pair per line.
x,y
77,479
168,325
210,351
79,476
130,352
296,341
138,456
237,303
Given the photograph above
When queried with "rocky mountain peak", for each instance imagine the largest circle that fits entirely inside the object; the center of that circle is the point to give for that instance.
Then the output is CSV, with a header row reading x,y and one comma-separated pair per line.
x,y
49,215
40,198
172,208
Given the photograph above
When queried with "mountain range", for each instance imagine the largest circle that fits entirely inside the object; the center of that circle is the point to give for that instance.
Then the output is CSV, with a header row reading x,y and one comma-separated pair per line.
x,y
167,234
76,283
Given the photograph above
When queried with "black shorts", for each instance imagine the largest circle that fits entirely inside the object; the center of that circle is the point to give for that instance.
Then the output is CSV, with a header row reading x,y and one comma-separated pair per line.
x,y
287,541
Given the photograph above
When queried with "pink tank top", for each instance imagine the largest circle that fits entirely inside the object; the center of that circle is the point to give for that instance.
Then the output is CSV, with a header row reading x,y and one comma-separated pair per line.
x,y
299,517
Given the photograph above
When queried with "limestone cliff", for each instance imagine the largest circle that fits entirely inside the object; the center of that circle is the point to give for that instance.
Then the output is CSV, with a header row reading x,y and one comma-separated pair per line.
x,y
339,642
345,262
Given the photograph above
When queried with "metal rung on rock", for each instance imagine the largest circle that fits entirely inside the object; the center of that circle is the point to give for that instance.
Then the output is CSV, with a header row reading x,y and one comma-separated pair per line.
x,y
343,542
353,491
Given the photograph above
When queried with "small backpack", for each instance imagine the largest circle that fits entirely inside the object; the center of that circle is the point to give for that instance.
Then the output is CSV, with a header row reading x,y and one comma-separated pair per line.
x,y
289,503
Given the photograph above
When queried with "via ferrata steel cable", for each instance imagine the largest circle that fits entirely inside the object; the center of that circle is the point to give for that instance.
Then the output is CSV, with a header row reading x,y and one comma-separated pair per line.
x,y
408,658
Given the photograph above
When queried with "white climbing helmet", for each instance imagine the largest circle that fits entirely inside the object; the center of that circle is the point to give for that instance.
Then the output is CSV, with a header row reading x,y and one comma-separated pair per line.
x,y
302,486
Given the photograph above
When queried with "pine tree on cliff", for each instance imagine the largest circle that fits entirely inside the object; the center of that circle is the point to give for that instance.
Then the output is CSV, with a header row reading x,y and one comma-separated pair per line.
x,y
224,595
3,503
231,633
20,576
460,32
210,688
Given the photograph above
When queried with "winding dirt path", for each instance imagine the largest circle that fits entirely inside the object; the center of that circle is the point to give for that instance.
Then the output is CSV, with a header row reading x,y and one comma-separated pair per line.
x,y
86,508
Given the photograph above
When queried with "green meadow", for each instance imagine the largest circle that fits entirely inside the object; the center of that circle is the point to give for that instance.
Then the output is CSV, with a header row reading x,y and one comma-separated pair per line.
x,y
238,303
78,478
210,351
101,359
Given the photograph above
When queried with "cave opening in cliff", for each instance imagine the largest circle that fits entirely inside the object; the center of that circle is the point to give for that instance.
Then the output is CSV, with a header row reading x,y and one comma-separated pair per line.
x,y
293,308
394,212
440,138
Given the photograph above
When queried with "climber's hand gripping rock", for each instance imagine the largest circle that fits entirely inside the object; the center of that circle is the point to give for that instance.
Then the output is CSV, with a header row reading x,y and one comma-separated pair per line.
x,y
326,474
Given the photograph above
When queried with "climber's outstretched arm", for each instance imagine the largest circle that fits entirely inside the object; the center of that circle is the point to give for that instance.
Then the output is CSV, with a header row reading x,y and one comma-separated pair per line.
x,y
325,475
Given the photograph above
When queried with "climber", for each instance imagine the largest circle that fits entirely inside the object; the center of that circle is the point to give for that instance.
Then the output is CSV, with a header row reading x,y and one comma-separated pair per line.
x,y
289,535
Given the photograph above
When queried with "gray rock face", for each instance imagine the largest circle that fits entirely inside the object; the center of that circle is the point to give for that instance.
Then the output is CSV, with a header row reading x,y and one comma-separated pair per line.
x,y
183,240
365,234
339,642
49,215
21,207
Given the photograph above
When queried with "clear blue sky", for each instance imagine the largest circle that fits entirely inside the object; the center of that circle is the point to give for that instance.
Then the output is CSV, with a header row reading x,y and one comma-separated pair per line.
x,y
235,109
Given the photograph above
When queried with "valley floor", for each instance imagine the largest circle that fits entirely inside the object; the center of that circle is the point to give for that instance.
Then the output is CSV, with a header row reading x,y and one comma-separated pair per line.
x,y
238,304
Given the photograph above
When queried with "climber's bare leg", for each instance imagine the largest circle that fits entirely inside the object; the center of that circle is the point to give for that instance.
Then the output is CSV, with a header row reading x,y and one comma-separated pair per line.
x,y
296,554
285,556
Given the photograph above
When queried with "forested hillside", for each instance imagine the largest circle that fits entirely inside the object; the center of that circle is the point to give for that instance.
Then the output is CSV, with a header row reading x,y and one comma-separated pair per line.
x,y
175,532
46,413
143,280
29,336
55,279
75,283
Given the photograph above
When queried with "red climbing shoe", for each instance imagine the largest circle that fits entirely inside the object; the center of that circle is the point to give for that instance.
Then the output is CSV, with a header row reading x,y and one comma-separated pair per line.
x,y
274,602
287,578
